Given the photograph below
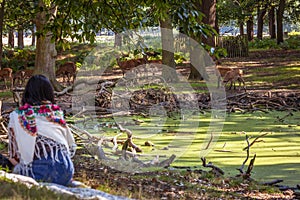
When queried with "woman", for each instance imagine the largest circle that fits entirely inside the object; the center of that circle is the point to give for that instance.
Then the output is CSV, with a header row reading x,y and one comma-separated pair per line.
x,y
40,143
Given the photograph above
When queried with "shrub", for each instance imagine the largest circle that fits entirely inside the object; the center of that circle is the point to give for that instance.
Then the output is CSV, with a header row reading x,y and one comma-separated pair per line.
x,y
266,43
292,42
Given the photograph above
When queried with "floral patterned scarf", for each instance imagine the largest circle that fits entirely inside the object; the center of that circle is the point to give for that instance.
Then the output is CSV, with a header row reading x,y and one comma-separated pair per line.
x,y
27,116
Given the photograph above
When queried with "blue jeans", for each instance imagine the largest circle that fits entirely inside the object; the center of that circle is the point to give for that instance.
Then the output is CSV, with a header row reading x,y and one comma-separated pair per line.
x,y
52,171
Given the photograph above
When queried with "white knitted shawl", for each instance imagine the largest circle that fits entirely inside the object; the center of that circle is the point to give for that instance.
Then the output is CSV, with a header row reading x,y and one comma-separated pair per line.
x,y
26,141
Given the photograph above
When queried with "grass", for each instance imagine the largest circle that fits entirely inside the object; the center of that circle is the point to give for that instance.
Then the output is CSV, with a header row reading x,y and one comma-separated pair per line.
x,y
271,75
6,94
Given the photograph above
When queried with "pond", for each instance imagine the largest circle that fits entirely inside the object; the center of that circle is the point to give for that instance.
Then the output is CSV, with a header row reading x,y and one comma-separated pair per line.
x,y
274,137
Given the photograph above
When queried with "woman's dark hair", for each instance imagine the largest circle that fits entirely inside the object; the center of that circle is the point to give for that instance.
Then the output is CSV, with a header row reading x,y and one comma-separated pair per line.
x,y
37,90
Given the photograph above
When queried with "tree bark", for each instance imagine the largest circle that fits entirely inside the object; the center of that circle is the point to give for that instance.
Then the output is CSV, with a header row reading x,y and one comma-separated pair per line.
x,y
260,22
271,15
11,38
118,40
20,38
241,24
250,28
32,36
208,8
167,39
45,48
198,59
216,20
1,31
279,21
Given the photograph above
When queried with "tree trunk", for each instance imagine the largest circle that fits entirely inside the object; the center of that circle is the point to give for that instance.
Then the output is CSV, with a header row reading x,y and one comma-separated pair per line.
x,y
241,24
260,22
272,26
250,28
20,38
118,40
45,48
167,39
32,36
216,21
197,58
208,8
11,38
279,21
1,31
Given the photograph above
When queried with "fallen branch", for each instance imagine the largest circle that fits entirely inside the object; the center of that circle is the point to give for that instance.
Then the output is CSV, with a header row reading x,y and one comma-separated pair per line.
x,y
167,162
273,182
4,128
129,141
17,97
255,140
247,174
250,167
82,132
210,140
115,142
215,169
241,169
64,91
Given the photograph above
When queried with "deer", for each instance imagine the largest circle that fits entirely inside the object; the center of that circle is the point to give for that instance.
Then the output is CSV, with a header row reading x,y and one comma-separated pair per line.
x,y
6,74
67,69
18,76
129,64
22,75
221,72
28,73
155,61
230,75
233,76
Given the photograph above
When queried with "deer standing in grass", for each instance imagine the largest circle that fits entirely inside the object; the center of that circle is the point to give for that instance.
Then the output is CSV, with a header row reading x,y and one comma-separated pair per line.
x,y
230,75
233,76
67,69
6,74
130,64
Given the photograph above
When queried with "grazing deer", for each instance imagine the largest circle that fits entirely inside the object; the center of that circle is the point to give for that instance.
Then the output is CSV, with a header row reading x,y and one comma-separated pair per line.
x,y
67,69
129,64
22,75
233,76
6,73
28,73
230,75
18,76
